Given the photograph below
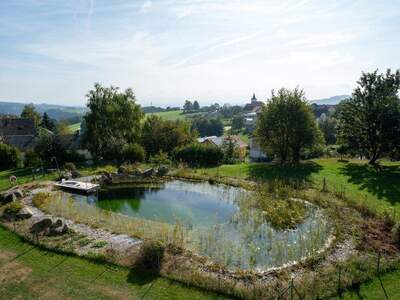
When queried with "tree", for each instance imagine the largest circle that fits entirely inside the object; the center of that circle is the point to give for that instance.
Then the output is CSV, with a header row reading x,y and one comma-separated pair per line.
x,y
328,128
10,157
237,123
133,153
113,121
188,106
48,146
29,112
196,105
369,122
197,154
208,126
287,126
160,135
48,123
230,150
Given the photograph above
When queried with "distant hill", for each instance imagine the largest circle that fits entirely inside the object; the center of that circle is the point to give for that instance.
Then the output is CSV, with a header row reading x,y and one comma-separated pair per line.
x,y
331,100
57,112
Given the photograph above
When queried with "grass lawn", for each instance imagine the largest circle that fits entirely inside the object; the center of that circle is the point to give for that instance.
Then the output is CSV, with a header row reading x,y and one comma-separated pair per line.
x,y
74,127
377,288
38,274
379,188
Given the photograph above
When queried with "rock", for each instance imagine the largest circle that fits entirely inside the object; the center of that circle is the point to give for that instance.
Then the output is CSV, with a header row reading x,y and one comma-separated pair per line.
x,y
24,213
18,193
41,226
122,170
58,228
11,195
148,172
162,171
106,178
75,174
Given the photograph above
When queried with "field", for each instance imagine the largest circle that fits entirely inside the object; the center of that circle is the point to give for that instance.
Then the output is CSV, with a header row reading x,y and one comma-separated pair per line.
x,y
74,127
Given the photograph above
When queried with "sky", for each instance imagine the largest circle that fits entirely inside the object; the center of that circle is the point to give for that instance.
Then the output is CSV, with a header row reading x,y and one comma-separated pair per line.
x,y
53,51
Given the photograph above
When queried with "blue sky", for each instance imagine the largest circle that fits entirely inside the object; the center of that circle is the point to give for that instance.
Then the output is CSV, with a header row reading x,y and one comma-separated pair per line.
x,y
168,51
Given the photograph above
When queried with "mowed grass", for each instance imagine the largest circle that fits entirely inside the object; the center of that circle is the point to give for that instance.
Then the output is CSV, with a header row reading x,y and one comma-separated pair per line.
x,y
27,272
378,187
23,176
386,286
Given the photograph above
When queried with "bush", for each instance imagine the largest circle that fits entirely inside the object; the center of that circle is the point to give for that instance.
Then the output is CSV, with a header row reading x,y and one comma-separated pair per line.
x,y
10,157
41,199
133,153
69,166
32,160
200,155
151,255
13,208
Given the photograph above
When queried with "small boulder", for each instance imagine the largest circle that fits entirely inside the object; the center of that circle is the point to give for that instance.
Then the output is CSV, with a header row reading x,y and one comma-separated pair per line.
x,y
58,228
75,174
41,226
148,172
106,178
11,195
24,213
162,171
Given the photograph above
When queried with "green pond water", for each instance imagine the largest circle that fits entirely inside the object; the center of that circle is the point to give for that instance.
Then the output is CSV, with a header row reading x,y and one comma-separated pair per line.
x,y
214,224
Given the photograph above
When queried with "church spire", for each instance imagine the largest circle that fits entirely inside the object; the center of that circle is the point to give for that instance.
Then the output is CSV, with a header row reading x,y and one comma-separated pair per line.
x,y
253,99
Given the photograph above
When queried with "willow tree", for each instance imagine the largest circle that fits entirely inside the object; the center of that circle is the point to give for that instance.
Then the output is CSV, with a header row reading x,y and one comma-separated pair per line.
x,y
113,121
286,126
369,121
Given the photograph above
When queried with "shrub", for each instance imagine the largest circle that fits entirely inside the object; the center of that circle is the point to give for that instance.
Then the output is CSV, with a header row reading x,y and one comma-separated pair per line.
x,y
41,199
99,244
150,256
200,155
32,159
10,157
70,166
13,208
133,153
160,159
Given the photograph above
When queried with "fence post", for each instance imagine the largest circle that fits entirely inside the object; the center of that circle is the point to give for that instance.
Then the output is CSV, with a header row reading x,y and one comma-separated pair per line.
x,y
324,187
339,284
378,265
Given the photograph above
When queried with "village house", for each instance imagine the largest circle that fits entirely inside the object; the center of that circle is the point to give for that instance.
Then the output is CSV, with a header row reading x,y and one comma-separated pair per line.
x,y
18,132
219,141
251,113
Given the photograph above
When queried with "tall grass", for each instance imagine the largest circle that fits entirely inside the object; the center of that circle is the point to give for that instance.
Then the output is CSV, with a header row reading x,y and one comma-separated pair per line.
x,y
88,214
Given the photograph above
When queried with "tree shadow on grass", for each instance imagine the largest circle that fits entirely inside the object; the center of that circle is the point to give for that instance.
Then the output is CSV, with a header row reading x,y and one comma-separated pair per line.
x,y
148,263
141,276
383,181
296,173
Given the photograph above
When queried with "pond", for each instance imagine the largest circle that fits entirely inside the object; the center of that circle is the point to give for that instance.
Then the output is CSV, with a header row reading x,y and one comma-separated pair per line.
x,y
214,224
